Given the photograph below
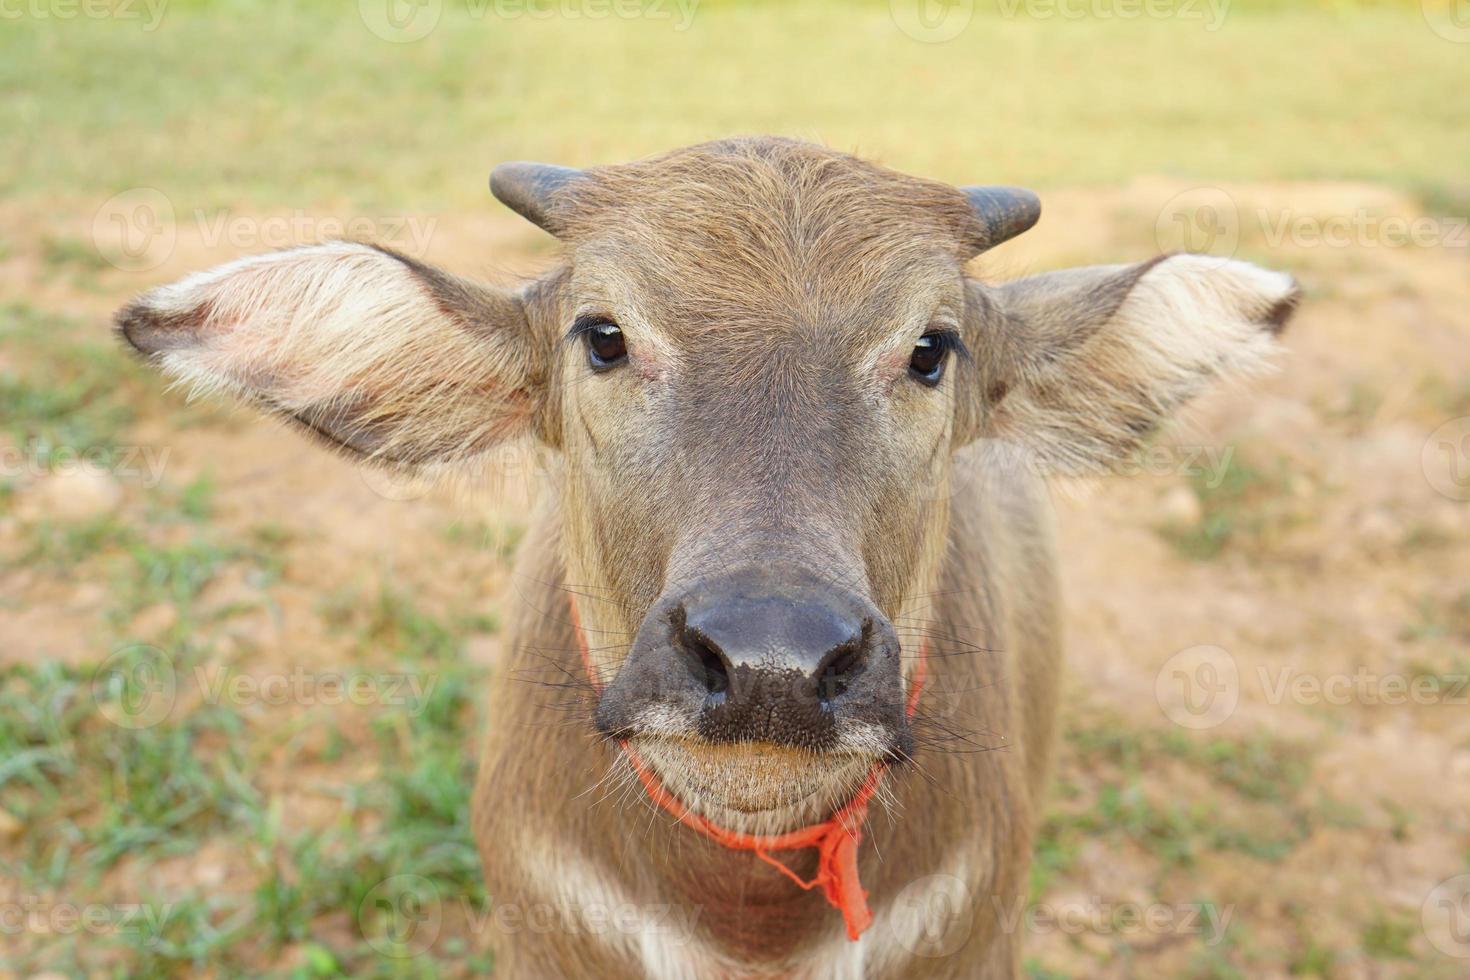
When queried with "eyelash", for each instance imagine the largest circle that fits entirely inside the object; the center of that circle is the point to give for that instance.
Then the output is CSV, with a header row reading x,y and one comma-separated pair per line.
x,y
942,343
603,339
950,342
585,323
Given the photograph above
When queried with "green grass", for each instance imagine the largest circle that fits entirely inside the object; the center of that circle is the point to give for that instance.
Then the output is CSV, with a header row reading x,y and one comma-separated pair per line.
x,y
1247,509
196,499
1212,964
1449,396
388,622
501,540
1256,808
71,394
1446,199
71,254
1313,961
352,119
100,804
1440,618
1267,774
59,546
1390,937
68,393
1035,971
149,790
1256,766
93,796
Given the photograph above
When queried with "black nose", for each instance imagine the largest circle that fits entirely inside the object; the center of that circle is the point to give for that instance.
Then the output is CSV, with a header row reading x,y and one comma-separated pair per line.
x,y
756,649
763,654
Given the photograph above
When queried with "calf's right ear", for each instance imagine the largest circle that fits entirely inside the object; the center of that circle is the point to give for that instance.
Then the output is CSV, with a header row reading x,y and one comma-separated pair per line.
x,y
384,357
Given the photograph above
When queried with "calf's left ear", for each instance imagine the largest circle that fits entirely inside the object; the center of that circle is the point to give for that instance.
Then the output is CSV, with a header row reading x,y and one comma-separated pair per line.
x,y
1081,366
384,357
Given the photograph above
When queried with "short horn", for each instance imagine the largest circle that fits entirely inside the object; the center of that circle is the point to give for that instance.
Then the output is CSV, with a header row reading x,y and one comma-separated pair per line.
x,y
1004,212
532,190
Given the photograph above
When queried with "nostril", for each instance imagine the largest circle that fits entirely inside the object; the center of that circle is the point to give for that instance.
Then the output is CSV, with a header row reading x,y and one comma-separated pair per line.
x,y
839,669
706,664
703,658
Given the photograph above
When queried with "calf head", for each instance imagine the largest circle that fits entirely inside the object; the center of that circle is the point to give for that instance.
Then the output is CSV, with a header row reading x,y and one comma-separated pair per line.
x,y
756,362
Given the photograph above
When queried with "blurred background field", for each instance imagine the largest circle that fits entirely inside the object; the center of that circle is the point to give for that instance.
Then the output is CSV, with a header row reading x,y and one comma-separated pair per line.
x,y
253,832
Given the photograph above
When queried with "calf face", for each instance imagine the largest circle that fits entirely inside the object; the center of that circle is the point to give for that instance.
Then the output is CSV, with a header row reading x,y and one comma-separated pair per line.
x,y
756,360
742,469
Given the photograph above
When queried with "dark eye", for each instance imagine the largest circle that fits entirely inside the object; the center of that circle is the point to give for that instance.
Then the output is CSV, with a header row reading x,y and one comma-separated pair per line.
x,y
930,354
605,347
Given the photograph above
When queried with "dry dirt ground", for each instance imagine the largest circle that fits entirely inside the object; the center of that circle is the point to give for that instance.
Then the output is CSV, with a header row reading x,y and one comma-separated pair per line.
x,y
1267,719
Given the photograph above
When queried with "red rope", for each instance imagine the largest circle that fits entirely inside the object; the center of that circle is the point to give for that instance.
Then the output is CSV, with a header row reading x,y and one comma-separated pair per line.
x,y
836,839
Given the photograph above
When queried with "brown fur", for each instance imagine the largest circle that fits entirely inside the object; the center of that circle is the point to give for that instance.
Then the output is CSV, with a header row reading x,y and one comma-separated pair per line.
x,y
770,293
